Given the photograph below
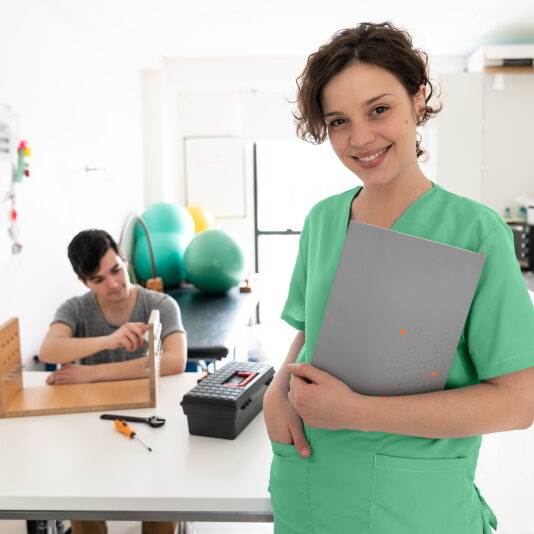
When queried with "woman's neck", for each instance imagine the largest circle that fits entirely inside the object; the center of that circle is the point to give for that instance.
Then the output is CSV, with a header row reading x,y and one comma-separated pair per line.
x,y
383,205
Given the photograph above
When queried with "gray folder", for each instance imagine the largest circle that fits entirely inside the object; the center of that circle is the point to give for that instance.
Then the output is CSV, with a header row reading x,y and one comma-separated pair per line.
x,y
396,311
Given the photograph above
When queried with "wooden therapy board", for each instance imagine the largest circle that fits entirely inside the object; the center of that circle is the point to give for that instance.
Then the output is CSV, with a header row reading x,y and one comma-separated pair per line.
x,y
18,401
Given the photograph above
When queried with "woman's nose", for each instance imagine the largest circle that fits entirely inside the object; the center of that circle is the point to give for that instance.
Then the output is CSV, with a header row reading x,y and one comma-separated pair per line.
x,y
361,135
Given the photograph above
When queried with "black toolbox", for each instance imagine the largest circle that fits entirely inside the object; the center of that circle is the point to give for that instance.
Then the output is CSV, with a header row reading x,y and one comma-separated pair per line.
x,y
224,402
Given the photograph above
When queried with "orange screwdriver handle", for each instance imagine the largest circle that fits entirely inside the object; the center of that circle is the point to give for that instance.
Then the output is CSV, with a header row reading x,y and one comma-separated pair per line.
x,y
123,427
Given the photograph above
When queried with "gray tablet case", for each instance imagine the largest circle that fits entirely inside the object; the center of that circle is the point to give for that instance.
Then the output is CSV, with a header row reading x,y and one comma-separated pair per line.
x,y
396,311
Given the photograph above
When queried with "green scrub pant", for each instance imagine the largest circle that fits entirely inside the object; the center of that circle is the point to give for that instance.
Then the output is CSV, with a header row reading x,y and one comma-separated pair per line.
x,y
366,492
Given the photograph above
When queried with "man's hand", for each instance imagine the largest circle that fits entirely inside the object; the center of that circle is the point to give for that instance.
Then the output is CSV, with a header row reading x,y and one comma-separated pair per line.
x,y
72,373
128,336
322,400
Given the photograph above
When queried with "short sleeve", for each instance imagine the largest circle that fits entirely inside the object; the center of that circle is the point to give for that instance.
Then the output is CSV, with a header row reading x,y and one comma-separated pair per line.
x,y
68,313
170,317
295,306
500,326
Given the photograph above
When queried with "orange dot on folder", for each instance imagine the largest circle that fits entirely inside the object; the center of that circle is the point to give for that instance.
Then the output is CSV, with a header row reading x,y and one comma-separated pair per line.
x,y
433,373
403,332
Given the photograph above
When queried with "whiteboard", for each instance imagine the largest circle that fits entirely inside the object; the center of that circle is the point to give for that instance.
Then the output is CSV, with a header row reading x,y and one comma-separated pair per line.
x,y
215,175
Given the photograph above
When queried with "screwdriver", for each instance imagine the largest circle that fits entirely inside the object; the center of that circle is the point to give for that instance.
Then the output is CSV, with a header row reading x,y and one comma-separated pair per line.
x,y
123,427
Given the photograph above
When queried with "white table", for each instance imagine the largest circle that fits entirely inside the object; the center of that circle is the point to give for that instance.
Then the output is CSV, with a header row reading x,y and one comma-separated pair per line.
x,y
78,466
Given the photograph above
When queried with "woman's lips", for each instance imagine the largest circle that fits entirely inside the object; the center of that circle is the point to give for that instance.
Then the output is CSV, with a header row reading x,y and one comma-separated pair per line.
x,y
372,158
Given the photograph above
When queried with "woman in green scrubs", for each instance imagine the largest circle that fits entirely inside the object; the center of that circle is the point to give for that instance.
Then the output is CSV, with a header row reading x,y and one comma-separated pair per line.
x,y
349,463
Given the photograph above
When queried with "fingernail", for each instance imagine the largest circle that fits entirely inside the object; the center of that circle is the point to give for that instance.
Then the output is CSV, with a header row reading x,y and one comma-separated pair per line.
x,y
306,452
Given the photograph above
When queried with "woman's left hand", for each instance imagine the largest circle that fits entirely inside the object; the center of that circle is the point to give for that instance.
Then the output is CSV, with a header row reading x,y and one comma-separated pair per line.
x,y
322,400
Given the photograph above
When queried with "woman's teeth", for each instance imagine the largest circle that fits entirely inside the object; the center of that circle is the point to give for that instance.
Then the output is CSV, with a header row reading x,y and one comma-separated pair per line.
x,y
372,156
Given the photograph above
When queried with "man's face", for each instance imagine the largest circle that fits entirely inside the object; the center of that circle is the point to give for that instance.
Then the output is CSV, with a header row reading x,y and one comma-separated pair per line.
x,y
110,282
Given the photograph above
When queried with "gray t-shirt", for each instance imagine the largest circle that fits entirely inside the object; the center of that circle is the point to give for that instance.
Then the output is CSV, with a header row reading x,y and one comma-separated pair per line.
x,y
84,316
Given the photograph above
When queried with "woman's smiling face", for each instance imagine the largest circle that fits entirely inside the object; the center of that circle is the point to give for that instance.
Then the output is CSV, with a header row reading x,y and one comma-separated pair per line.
x,y
371,122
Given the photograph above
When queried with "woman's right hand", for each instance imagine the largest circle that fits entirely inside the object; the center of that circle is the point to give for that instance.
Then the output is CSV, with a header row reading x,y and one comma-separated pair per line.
x,y
284,424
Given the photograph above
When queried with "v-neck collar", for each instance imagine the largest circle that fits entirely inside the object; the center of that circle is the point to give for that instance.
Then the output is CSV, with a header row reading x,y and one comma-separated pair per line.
x,y
356,191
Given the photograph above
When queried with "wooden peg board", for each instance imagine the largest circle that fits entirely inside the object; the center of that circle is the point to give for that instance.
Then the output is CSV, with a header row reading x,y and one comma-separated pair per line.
x,y
10,363
154,354
18,401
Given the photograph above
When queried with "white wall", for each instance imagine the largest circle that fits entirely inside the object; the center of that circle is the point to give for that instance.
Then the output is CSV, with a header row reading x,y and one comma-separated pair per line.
x,y
457,150
483,137
77,92
248,98
508,158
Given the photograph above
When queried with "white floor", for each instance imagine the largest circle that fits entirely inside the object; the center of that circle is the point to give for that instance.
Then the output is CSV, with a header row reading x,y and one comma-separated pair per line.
x,y
133,527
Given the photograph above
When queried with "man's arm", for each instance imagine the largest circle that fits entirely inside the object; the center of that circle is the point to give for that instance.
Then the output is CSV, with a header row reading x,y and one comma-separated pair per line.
x,y
59,345
173,358
174,354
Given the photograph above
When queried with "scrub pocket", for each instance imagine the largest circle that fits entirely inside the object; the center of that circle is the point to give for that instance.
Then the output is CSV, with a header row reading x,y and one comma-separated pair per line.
x,y
288,486
419,496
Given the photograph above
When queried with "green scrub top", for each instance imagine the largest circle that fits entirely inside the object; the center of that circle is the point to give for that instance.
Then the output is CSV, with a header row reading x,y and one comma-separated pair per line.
x,y
379,483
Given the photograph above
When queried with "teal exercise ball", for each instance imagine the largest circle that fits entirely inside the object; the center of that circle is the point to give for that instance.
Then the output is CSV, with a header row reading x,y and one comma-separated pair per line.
x,y
167,217
171,228
215,261
169,252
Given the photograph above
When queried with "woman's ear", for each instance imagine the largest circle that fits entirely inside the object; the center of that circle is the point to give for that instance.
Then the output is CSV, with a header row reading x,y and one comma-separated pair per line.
x,y
420,103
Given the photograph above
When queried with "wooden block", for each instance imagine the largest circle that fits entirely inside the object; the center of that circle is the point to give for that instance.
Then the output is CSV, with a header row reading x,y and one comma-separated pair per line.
x,y
155,284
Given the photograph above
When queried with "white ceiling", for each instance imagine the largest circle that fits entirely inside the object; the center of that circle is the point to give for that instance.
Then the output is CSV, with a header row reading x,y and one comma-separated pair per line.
x,y
230,28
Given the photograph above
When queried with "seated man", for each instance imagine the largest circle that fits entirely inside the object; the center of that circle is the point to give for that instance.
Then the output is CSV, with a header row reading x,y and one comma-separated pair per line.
x,y
103,331
104,328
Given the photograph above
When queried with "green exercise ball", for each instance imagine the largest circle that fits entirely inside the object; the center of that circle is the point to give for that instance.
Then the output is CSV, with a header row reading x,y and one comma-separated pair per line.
x,y
169,249
215,261
166,217
171,228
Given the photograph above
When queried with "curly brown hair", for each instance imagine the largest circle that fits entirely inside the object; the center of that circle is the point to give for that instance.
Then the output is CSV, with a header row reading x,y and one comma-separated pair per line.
x,y
380,44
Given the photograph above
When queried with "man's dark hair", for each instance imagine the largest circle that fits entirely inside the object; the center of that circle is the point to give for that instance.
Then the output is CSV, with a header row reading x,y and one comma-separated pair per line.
x,y
87,249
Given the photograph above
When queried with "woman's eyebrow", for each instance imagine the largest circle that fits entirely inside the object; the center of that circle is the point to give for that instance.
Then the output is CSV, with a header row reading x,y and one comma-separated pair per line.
x,y
365,104
375,98
332,113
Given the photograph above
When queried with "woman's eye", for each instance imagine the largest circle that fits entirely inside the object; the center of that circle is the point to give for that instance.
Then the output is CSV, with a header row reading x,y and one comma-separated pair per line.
x,y
337,122
379,110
